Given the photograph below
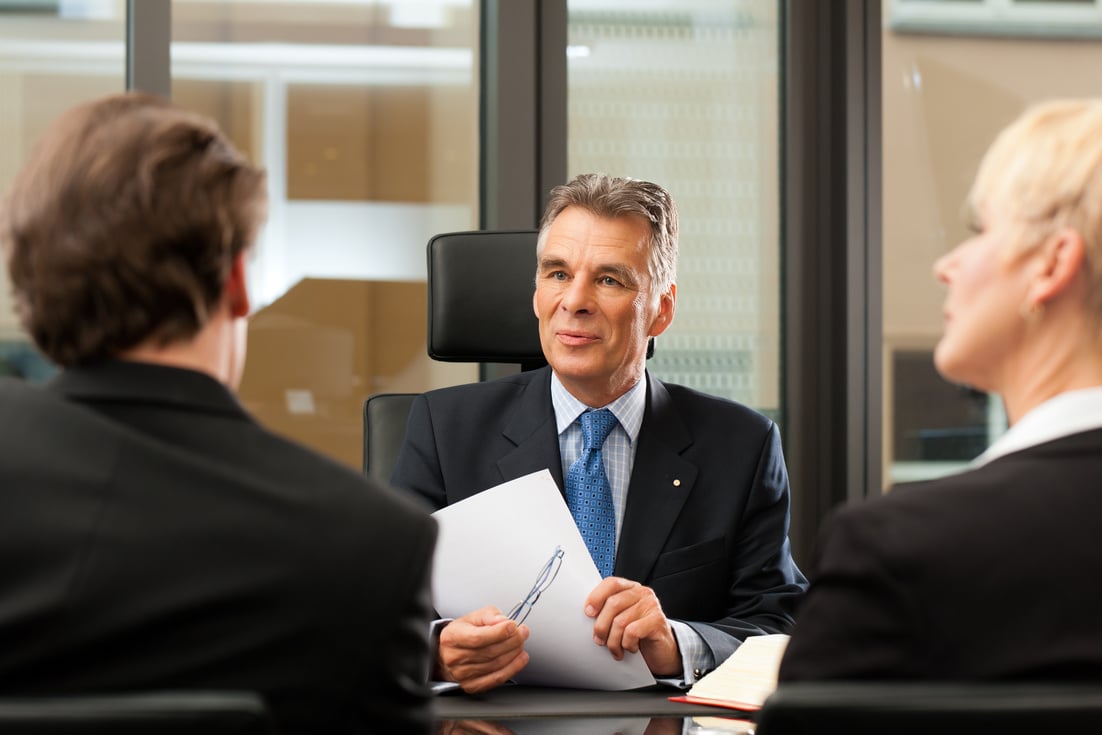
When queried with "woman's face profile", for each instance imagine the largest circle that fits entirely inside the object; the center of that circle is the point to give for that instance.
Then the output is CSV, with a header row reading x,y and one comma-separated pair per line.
x,y
986,287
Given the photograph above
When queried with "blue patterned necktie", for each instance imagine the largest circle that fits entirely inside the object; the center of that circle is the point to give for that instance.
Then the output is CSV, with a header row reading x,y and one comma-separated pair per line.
x,y
588,494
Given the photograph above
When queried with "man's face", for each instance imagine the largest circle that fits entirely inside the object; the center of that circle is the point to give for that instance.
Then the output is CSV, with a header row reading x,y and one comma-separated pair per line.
x,y
595,304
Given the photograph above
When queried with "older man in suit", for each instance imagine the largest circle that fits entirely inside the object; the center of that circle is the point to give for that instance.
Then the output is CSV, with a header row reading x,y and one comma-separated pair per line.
x,y
695,491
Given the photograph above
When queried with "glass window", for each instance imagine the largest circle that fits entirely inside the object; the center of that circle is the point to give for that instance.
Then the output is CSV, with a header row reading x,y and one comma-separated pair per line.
x,y
945,97
52,56
365,115
685,94
1043,18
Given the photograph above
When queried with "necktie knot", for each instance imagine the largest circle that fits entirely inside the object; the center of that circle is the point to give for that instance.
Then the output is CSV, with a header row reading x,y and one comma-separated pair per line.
x,y
596,426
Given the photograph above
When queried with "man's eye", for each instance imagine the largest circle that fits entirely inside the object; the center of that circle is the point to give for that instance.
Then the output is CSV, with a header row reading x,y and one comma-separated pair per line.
x,y
557,275
609,281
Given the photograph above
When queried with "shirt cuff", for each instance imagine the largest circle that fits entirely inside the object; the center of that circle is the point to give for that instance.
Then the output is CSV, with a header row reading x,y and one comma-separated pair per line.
x,y
696,657
438,687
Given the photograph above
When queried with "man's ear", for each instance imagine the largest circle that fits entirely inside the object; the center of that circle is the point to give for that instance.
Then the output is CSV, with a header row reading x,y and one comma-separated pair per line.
x,y
667,304
1061,259
237,289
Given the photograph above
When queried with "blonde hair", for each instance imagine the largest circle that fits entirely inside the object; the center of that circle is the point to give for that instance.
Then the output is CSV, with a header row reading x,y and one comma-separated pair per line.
x,y
1045,172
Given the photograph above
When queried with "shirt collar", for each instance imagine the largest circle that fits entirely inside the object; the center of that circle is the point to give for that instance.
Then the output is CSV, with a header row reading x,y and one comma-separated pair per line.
x,y
1071,412
628,408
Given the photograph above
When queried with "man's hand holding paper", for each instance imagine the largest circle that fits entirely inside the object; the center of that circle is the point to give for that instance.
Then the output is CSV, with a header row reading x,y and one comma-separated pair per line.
x,y
481,650
628,618
501,547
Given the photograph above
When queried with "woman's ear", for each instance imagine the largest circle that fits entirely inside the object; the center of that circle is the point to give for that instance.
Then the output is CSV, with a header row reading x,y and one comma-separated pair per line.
x,y
1061,259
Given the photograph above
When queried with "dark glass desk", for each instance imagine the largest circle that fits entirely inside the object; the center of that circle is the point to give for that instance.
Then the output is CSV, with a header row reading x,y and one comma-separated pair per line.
x,y
517,710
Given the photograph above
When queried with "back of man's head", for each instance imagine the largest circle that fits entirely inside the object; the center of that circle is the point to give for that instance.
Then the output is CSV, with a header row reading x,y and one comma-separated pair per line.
x,y
123,225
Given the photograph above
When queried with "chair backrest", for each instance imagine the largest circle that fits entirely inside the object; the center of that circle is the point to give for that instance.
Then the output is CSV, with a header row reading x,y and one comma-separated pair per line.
x,y
865,708
385,417
164,713
480,287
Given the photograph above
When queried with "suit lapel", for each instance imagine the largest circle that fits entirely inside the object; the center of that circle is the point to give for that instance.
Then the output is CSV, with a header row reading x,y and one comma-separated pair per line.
x,y
661,481
533,431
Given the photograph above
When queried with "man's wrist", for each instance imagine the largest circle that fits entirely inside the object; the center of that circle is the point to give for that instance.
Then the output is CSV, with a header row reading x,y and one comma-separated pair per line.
x,y
696,657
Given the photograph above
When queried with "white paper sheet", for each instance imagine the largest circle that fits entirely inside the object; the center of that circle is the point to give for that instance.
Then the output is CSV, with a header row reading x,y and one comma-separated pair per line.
x,y
490,550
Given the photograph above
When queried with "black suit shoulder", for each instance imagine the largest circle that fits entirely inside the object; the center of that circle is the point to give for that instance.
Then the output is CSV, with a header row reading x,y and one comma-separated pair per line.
x,y
244,560
699,400
1022,490
955,578
699,409
489,395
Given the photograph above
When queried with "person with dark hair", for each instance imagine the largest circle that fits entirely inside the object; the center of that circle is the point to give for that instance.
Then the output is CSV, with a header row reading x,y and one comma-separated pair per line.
x,y
692,489
154,536
989,573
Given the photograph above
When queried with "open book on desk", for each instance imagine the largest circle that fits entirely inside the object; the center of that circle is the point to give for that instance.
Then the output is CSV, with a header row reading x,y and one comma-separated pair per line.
x,y
745,679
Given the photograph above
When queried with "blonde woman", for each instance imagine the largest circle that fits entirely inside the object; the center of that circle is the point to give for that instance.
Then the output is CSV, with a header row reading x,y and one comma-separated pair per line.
x,y
992,573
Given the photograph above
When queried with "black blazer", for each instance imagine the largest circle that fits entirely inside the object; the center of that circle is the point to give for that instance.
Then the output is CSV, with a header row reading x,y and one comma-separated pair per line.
x,y
153,536
989,574
713,547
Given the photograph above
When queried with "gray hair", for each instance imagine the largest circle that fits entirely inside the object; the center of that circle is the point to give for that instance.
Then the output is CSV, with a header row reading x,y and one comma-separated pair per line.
x,y
609,196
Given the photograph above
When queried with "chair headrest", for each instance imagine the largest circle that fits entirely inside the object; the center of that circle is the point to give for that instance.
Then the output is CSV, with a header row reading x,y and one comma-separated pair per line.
x,y
480,297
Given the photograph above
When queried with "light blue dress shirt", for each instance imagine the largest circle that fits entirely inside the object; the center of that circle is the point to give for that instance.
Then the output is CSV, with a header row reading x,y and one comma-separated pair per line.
x,y
619,455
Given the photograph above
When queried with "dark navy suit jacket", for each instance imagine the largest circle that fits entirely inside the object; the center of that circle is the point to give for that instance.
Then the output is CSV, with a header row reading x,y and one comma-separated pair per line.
x,y
706,522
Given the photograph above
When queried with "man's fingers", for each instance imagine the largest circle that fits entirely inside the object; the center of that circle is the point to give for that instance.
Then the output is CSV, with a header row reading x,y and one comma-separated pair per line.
x,y
477,680
627,615
480,657
467,636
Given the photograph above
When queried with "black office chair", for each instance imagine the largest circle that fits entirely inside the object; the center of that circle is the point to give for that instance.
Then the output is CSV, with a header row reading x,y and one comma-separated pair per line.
x,y
863,708
480,287
163,713
385,416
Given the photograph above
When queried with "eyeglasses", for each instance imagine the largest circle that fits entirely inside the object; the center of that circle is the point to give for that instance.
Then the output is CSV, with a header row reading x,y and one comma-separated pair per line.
x,y
546,576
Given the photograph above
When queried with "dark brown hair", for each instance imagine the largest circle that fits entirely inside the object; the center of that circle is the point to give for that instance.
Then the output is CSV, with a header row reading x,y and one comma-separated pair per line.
x,y
123,225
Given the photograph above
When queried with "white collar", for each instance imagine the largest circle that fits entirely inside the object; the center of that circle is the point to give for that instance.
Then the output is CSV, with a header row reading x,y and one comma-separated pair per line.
x,y
628,408
1071,412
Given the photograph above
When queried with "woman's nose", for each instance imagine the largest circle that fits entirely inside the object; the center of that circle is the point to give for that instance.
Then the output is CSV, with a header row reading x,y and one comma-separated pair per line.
x,y
943,266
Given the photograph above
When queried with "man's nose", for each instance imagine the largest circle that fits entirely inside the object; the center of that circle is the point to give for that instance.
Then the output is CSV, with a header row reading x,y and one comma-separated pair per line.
x,y
578,296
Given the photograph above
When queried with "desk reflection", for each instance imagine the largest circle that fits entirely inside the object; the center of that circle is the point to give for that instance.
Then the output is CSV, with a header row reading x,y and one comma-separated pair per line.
x,y
598,726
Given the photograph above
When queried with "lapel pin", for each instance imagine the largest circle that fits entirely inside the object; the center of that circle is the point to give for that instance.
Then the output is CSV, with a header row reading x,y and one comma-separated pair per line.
x,y
677,483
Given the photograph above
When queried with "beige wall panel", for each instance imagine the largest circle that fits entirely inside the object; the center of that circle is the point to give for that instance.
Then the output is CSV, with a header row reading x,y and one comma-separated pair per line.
x,y
316,353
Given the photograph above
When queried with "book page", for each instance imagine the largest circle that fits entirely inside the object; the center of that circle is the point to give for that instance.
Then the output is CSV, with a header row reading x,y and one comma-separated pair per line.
x,y
747,677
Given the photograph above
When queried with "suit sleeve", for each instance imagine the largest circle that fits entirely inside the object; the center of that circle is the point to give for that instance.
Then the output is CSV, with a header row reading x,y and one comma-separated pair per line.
x,y
417,469
765,585
407,657
856,620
